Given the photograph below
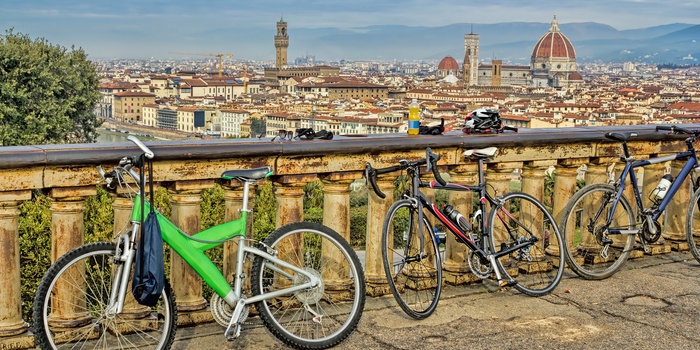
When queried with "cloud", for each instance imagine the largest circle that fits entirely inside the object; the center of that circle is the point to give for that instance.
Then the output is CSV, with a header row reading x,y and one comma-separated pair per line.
x,y
102,24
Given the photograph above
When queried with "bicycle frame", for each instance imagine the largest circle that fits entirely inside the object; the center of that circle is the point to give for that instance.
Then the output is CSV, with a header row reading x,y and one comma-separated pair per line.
x,y
484,197
690,164
192,248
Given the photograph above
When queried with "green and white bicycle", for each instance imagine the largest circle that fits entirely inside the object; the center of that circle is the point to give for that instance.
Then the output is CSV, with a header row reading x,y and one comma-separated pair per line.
x,y
306,281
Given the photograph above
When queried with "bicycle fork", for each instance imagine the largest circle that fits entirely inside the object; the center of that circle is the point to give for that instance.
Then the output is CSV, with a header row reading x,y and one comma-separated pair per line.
x,y
121,276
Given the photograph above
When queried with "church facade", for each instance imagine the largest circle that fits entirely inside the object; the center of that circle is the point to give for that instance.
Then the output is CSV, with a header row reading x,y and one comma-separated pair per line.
x,y
552,64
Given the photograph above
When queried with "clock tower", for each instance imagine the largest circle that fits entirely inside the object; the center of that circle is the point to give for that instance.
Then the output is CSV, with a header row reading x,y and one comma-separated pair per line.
x,y
281,44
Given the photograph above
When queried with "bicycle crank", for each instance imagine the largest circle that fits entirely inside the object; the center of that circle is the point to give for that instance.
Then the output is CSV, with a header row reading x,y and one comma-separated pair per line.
x,y
222,311
647,234
479,266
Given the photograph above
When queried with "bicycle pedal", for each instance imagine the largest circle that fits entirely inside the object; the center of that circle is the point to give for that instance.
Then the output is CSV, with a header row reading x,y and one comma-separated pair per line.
x,y
233,332
507,283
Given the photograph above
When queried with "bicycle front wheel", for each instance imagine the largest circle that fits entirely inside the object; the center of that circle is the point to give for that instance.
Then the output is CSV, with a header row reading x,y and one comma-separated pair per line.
x,y
317,317
523,221
591,248
692,225
413,271
71,307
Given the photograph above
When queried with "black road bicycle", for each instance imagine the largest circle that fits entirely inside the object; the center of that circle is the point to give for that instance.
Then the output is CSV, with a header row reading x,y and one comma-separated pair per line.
x,y
519,242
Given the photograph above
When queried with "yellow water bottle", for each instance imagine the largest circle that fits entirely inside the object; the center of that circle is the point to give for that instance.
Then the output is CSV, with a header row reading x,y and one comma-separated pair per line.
x,y
413,117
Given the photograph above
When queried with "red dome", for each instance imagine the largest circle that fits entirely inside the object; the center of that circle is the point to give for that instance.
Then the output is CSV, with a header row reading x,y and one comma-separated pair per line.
x,y
448,63
575,76
554,44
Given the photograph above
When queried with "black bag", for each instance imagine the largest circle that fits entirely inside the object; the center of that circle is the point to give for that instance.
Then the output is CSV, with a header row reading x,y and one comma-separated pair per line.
x,y
432,130
149,272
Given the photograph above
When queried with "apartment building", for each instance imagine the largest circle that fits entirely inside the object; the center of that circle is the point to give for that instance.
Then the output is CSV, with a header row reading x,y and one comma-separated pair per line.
x,y
231,120
128,105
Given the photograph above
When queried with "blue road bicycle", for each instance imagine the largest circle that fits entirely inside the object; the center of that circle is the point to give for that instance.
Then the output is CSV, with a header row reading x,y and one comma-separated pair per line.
x,y
600,224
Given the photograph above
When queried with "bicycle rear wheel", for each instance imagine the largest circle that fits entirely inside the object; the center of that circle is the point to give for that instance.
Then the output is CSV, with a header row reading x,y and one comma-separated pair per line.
x,y
414,273
317,317
591,250
537,267
71,307
692,225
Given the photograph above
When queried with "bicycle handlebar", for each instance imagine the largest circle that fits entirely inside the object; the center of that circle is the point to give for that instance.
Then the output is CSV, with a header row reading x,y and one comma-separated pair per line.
x,y
430,160
146,152
677,130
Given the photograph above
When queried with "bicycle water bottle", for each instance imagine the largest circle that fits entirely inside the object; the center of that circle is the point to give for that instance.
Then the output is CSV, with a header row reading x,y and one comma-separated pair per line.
x,y
663,186
457,218
413,117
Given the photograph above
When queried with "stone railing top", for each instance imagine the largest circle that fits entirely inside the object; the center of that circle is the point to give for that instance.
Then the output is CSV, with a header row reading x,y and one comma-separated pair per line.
x,y
72,166
97,153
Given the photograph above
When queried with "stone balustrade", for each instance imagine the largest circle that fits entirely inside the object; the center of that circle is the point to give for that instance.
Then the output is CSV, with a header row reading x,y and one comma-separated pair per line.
x,y
66,173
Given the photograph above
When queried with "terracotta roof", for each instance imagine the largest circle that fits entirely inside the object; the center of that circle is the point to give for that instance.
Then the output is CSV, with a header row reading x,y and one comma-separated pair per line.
x,y
448,63
554,44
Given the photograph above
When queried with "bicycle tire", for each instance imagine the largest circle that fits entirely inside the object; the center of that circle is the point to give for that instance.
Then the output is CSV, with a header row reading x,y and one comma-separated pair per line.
x,y
692,225
537,268
416,285
584,249
90,266
338,302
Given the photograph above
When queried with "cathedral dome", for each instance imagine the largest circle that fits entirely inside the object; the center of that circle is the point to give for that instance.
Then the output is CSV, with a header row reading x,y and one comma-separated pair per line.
x,y
448,63
575,76
554,44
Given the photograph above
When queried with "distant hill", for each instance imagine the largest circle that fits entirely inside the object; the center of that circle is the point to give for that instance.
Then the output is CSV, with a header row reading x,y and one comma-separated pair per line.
x,y
512,42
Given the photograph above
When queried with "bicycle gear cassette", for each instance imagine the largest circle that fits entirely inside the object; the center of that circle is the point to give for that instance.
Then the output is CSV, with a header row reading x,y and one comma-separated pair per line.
x,y
310,295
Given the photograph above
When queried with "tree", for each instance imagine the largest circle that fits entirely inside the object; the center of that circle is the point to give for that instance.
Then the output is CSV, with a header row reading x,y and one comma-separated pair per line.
x,y
47,93
257,127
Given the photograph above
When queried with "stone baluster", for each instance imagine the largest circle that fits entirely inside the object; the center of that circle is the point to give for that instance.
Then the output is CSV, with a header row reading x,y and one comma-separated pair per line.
x,y
674,229
533,174
336,215
533,177
498,179
651,178
187,284
289,194
13,329
564,188
456,265
68,232
376,211
596,172
499,176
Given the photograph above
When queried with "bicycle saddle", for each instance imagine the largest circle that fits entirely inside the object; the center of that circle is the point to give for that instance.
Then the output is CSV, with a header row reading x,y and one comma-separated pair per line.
x,y
620,136
484,152
247,174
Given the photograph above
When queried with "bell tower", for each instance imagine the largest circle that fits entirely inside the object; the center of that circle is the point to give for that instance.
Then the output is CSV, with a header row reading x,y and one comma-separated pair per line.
x,y
470,66
281,44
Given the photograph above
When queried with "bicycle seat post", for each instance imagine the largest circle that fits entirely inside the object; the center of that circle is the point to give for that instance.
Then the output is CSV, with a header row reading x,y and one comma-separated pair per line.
x,y
246,190
626,150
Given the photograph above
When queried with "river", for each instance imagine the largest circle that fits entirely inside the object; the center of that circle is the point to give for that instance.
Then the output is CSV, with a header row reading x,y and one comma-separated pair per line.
x,y
106,136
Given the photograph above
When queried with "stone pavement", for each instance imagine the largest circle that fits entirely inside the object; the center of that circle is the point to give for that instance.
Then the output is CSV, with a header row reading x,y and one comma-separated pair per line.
x,y
651,303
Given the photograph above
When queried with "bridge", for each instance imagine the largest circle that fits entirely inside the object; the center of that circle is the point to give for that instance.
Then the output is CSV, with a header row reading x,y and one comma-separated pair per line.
x,y
67,175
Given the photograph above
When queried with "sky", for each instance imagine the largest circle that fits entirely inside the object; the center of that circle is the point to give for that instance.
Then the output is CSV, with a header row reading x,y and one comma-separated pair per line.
x,y
124,28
